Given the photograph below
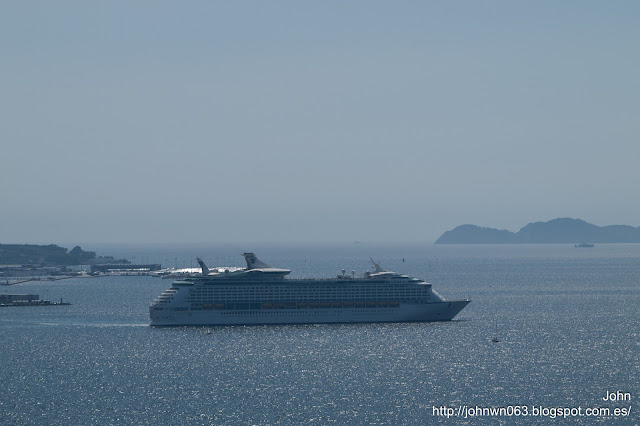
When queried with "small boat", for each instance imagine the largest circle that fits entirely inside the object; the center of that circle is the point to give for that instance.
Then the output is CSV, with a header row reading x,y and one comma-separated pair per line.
x,y
584,245
495,336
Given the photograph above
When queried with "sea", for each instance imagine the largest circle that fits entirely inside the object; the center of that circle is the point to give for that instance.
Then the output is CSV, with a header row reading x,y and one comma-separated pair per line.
x,y
566,321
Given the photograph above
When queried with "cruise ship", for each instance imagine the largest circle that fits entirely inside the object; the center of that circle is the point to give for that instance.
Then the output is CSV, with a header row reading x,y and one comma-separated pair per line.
x,y
261,294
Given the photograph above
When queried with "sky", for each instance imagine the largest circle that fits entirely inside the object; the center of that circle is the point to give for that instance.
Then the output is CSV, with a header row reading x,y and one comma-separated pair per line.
x,y
288,121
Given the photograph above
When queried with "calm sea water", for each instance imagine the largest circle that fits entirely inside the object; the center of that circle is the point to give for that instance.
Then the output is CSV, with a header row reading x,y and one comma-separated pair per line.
x,y
568,321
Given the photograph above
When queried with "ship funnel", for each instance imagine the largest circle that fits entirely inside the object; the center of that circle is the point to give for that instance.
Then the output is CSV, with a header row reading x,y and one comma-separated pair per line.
x,y
205,270
377,267
253,262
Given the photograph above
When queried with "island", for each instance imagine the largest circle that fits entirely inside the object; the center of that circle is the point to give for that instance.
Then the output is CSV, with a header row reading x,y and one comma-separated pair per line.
x,y
556,231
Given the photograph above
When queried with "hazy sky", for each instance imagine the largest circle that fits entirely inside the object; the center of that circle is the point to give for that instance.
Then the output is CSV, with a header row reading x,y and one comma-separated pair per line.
x,y
205,121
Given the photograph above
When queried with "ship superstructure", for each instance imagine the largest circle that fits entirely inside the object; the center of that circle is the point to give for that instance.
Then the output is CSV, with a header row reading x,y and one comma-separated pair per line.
x,y
261,294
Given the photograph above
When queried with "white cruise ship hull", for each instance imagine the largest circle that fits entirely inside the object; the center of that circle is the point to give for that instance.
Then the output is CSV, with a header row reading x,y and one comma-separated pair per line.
x,y
426,312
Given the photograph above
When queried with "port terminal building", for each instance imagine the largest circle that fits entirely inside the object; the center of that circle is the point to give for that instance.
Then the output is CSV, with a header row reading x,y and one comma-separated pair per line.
x,y
125,267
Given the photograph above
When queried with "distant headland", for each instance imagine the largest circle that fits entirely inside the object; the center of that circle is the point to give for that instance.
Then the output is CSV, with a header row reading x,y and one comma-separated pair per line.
x,y
21,263
49,255
556,231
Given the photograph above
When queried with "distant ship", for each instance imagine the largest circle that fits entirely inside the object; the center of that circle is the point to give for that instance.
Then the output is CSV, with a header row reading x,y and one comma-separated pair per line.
x,y
27,300
584,245
260,294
